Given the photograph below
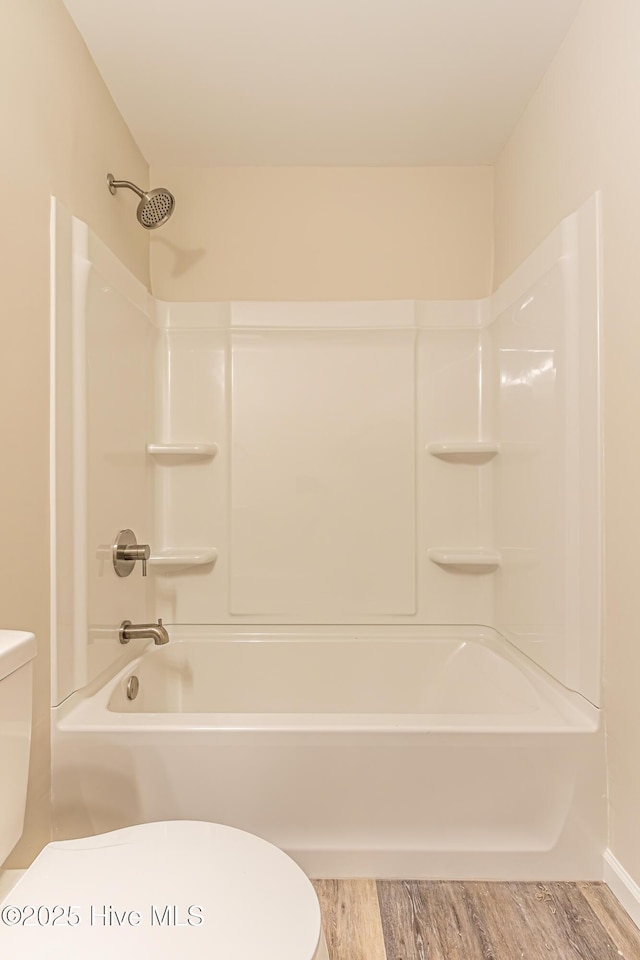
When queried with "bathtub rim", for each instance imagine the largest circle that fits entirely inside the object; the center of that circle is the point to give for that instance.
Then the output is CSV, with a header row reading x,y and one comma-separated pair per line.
x,y
561,711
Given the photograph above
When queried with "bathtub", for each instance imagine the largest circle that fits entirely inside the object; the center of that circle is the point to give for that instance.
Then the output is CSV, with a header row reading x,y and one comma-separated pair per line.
x,y
420,753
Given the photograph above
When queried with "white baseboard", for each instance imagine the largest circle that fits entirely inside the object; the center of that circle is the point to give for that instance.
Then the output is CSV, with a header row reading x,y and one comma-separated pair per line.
x,y
622,885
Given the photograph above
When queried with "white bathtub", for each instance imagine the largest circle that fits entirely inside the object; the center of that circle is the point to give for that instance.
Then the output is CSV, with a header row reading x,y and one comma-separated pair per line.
x,y
414,755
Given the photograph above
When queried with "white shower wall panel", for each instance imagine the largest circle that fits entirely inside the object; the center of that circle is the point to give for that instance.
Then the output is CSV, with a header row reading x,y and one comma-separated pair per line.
x,y
323,473
118,395
547,476
530,478
322,500
102,396
454,500
192,499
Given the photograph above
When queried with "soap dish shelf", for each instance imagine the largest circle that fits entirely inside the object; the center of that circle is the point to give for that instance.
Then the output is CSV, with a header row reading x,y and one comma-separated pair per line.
x,y
483,560
204,450
183,557
472,451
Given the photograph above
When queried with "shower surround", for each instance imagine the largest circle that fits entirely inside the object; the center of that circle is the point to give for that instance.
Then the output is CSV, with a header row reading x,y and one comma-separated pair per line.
x,y
322,484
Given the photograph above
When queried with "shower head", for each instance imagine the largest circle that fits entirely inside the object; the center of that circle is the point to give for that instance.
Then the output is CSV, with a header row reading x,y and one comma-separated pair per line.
x,y
155,207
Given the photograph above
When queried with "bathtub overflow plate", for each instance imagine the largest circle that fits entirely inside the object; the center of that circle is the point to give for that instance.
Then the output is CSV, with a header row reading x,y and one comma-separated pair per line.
x,y
133,685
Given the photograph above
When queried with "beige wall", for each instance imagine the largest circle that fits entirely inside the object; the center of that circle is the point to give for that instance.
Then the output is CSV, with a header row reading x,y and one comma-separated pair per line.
x,y
61,134
325,233
581,132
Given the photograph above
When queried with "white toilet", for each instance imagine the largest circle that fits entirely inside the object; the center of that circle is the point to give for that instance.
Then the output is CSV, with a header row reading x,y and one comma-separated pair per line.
x,y
184,889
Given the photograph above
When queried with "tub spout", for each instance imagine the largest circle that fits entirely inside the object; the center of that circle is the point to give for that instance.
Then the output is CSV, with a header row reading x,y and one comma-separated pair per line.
x,y
136,631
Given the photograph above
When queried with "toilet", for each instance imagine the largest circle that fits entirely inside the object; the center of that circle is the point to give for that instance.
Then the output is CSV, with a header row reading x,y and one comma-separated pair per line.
x,y
185,889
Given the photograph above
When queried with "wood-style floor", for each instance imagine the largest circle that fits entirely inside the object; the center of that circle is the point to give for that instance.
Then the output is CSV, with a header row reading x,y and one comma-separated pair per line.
x,y
444,920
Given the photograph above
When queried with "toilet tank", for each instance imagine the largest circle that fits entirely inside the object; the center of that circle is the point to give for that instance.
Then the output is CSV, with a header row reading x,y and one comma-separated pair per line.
x,y
17,650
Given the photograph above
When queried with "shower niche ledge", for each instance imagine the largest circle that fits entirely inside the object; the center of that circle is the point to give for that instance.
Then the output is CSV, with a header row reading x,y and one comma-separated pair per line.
x,y
199,450
472,559
460,451
183,557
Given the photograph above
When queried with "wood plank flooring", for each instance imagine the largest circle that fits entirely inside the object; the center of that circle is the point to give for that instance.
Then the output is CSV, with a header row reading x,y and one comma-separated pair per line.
x,y
446,920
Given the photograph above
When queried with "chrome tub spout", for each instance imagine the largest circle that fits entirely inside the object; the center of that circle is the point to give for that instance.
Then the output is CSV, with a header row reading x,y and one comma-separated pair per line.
x,y
136,631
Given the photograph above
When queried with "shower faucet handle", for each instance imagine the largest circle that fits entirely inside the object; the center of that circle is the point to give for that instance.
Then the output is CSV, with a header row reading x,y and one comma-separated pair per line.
x,y
126,550
140,551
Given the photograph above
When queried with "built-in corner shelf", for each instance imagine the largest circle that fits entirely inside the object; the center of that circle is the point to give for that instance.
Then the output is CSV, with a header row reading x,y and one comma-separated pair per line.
x,y
473,557
183,557
472,451
183,449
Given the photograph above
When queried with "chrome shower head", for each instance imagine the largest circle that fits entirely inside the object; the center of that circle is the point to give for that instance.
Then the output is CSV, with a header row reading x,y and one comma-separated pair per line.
x,y
155,207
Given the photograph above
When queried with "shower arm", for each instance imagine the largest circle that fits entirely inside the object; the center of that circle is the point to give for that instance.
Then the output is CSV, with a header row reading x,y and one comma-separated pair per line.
x,y
114,184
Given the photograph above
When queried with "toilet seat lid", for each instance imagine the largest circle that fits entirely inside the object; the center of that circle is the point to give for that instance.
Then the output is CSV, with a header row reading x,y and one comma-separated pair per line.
x,y
184,889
